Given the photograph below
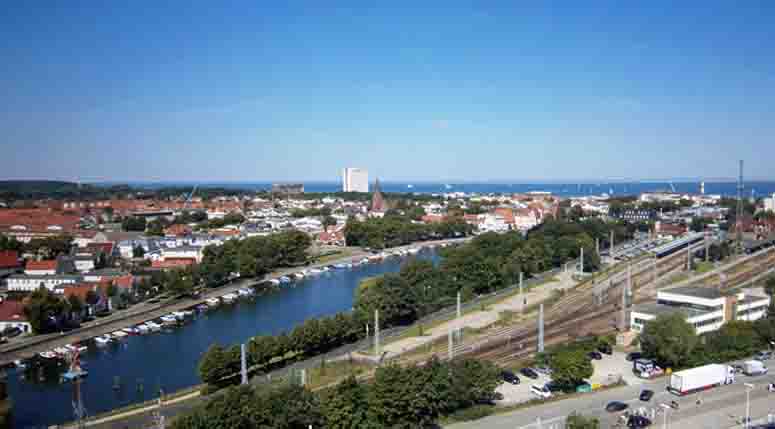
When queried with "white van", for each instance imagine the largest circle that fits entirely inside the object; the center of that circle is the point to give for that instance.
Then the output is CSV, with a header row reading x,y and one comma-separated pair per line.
x,y
540,391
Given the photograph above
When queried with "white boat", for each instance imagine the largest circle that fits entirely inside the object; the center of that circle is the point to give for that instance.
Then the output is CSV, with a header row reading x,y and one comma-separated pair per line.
x,y
245,292
76,348
102,340
142,329
118,335
340,266
61,351
179,315
48,355
229,298
153,326
274,282
299,275
130,330
188,313
213,302
285,279
169,319
414,251
19,364
364,261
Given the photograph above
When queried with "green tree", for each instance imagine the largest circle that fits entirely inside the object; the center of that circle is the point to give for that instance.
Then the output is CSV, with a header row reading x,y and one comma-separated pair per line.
x,y
44,310
769,287
10,243
577,421
134,223
76,305
669,339
348,406
329,221
570,368
214,365
138,252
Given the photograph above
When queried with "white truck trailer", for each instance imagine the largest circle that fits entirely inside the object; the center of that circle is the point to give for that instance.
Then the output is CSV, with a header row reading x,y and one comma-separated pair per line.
x,y
701,378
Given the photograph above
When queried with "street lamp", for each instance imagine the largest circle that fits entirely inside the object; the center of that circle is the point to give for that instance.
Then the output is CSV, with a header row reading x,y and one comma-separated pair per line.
x,y
666,408
748,388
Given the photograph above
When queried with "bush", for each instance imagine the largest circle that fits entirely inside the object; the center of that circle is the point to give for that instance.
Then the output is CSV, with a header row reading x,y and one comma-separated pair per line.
x,y
472,413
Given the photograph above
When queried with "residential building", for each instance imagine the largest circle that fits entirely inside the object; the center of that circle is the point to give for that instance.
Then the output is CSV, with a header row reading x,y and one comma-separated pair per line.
x,y
707,309
355,180
41,268
184,252
29,283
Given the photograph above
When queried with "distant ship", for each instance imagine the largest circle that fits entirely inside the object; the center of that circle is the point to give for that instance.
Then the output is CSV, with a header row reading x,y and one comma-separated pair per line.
x,y
410,186
448,186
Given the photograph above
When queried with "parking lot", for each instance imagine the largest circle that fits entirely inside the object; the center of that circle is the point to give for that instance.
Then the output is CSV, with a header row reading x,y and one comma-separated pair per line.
x,y
607,371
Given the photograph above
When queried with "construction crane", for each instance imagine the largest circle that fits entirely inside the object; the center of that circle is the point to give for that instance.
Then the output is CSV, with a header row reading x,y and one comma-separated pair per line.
x,y
190,196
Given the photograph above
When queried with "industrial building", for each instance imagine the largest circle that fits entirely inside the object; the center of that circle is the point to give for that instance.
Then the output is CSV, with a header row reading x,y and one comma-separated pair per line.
x,y
707,309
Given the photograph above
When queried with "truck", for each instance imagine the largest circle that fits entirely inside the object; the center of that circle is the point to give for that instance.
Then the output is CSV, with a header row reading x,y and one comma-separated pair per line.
x,y
754,367
701,378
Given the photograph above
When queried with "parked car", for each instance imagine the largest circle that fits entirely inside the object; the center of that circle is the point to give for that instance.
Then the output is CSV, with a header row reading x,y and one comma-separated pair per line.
x,y
616,406
540,391
605,348
594,355
762,356
529,372
545,370
509,377
646,395
634,356
635,421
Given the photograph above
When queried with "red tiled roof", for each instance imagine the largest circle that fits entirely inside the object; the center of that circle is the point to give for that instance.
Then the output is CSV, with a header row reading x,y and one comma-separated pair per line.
x,y
80,290
173,263
177,230
41,265
12,311
106,248
9,259
432,218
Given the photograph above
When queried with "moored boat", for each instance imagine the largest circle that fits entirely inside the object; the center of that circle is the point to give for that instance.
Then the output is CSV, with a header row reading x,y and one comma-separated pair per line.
x,y
179,315
102,340
169,319
213,302
48,355
118,335
153,326
130,330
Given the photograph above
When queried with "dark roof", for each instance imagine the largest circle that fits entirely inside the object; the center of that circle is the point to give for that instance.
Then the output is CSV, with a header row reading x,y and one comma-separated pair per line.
x,y
660,309
698,292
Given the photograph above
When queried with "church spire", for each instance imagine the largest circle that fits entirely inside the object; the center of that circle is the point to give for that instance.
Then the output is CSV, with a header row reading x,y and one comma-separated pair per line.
x,y
377,201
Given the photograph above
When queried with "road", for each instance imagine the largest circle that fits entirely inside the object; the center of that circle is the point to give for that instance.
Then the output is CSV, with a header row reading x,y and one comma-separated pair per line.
x,y
720,408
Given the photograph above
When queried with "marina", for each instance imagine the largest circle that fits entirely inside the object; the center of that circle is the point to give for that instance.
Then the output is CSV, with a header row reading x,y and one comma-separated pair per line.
x,y
132,366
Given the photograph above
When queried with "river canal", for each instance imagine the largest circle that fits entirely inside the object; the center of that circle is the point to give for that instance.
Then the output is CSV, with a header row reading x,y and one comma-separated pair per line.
x,y
168,359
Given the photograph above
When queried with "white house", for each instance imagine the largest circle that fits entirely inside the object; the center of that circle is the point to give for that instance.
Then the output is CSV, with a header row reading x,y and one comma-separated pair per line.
x,y
189,252
705,308
29,283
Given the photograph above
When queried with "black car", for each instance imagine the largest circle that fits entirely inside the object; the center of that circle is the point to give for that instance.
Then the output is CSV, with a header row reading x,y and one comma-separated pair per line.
x,y
554,386
529,372
634,356
616,406
646,395
509,377
605,348
594,355
638,422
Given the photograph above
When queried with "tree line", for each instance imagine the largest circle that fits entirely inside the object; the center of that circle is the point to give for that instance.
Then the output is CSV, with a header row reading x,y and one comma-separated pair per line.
x,y
398,397
396,230
486,264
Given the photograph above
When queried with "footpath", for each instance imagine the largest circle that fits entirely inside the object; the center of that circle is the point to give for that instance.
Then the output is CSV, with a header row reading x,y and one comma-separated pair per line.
x,y
485,317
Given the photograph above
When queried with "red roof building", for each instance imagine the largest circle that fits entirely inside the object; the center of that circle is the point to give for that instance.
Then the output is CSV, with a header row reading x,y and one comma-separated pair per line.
x,y
41,267
9,259
432,218
177,230
12,316
173,263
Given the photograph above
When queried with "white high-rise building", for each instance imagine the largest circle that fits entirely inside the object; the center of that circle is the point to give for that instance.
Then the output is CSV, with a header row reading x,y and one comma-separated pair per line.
x,y
769,203
355,180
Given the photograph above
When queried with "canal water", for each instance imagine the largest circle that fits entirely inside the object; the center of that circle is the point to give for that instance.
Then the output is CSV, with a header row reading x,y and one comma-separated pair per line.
x,y
168,360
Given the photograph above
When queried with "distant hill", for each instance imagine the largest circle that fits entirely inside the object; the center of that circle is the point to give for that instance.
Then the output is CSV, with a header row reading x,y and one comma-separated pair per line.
x,y
40,189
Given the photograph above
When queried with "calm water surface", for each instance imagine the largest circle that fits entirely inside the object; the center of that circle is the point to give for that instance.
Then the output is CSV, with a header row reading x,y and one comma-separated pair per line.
x,y
168,360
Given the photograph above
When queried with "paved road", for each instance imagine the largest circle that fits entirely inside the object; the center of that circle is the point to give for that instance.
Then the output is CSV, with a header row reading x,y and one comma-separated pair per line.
x,y
719,409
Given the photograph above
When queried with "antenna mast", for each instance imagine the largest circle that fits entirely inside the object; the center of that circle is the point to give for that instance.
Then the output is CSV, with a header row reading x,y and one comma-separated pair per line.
x,y
739,214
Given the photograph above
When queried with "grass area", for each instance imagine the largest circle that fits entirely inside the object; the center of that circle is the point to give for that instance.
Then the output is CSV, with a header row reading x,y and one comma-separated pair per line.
x,y
328,372
703,267
333,256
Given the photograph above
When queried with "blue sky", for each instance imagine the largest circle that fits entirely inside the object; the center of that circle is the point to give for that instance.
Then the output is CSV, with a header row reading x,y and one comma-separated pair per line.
x,y
250,91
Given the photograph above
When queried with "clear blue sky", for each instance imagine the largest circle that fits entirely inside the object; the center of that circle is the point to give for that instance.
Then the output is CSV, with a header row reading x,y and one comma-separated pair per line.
x,y
126,90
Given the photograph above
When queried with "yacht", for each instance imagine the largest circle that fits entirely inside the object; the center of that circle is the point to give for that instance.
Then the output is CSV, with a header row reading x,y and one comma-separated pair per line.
x,y
142,329
169,319
229,298
285,279
130,330
153,326
213,302
245,292
119,335
179,315
48,355
102,340
61,351
274,282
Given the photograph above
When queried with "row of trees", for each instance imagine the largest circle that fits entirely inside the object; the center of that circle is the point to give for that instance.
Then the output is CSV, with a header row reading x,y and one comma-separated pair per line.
x,y
398,397
253,256
46,248
48,312
397,230
487,263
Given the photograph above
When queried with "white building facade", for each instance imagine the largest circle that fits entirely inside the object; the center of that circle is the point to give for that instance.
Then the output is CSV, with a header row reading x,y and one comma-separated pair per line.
x,y
704,308
355,180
